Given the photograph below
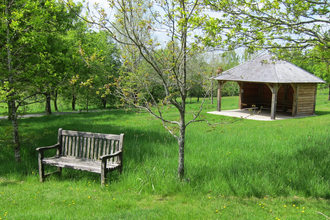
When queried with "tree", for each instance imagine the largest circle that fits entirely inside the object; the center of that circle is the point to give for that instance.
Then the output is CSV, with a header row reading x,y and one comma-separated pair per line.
x,y
24,25
57,52
284,24
315,61
287,23
98,64
135,26
196,75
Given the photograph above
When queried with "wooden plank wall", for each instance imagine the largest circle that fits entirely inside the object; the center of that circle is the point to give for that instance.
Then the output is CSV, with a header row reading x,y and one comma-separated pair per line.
x,y
285,97
250,93
257,94
290,95
306,99
265,96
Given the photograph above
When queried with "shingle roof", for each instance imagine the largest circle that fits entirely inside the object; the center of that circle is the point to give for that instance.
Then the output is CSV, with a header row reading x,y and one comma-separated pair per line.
x,y
267,69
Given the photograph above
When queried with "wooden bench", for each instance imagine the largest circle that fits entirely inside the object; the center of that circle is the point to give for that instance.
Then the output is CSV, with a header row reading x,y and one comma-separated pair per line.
x,y
93,152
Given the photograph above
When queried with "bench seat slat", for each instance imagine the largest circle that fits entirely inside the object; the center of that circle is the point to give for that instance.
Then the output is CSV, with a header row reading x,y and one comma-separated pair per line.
x,y
90,135
84,148
88,148
73,146
69,146
96,146
100,148
77,163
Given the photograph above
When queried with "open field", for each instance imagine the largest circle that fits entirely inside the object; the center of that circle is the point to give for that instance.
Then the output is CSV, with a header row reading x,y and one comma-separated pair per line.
x,y
241,169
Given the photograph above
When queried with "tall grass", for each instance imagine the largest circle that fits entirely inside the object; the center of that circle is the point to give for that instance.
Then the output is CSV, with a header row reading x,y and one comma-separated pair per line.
x,y
244,166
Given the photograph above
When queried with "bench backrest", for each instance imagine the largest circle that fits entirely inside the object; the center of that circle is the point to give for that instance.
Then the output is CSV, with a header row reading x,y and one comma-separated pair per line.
x,y
89,145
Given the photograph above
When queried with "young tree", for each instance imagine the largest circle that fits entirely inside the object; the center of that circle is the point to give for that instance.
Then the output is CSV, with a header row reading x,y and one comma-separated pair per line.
x,y
135,26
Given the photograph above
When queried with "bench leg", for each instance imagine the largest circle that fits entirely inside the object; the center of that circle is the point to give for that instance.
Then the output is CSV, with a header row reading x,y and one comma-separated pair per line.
x,y
103,172
103,178
41,167
41,173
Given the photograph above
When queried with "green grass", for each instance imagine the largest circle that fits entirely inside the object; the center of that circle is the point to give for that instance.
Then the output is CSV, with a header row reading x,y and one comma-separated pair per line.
x,y
241,170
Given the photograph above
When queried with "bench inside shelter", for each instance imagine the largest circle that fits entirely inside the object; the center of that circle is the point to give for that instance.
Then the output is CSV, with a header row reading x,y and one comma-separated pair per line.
x,y
86,151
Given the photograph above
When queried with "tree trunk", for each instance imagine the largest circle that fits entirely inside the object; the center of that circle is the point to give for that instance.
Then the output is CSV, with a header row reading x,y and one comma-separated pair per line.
x,y
9,112
55,100
16,142
73,103
12,103
104,102
181,143
182,108
48,109
48,105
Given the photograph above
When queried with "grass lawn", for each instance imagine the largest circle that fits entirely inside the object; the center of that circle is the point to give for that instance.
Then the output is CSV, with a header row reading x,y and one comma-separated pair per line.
x,y
241,169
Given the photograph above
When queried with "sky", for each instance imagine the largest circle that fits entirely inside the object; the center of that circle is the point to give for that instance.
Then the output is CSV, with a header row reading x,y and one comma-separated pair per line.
x,y
161,36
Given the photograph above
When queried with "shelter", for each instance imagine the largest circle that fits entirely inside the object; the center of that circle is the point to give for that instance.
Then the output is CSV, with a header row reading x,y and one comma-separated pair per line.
x,y
266,82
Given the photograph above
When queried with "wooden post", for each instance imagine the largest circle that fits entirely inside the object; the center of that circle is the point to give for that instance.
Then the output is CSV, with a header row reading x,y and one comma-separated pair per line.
x,y
315,98
59,149
220,86
59,141
219,97
274,103
295,99
121,147
103,171
41,166
241,84
274,89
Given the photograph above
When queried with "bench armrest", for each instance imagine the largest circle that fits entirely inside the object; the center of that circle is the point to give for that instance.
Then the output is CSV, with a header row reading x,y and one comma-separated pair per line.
x,y
48,148
104,157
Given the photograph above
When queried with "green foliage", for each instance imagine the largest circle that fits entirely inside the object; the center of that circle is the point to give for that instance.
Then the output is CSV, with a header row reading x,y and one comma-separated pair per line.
x,y
98,64
230,89
38,53
276,23
315,60
27,52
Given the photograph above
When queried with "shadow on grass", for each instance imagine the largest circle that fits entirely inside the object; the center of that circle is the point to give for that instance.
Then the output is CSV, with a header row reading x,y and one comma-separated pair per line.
x,y
319,113
42,131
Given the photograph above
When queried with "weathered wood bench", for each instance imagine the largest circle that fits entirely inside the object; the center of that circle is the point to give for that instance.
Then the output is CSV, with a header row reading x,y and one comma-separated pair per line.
x,y
93,152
